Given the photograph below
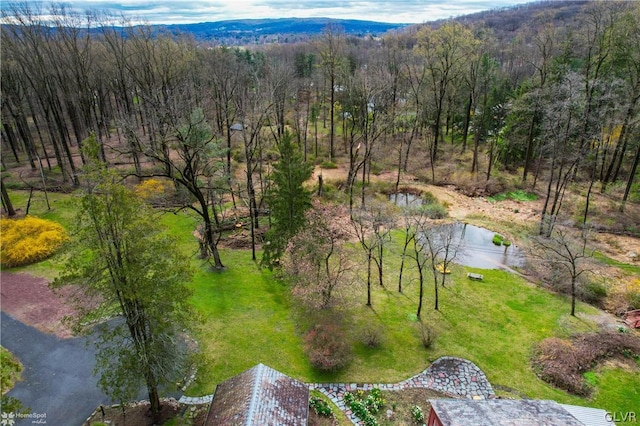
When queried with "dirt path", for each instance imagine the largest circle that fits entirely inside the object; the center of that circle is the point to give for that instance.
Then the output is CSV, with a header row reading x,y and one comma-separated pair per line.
x,y
29,300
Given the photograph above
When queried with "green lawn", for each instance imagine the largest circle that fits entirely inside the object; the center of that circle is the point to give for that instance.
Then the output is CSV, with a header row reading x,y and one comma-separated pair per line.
x,y
618,390
248,317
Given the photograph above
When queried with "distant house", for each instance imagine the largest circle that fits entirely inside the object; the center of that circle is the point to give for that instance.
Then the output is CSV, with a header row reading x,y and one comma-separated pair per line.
x,y
260,396
521,412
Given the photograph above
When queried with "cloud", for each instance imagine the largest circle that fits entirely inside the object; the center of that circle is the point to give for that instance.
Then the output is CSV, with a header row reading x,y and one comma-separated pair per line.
x,y
185,11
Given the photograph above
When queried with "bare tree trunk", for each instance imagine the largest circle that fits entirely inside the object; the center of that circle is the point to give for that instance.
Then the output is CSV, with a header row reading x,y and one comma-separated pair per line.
x,y
632,175
6,201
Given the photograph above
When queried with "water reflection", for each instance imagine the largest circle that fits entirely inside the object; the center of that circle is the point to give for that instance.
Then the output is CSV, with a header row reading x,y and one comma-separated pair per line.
x,y
478,250
404,199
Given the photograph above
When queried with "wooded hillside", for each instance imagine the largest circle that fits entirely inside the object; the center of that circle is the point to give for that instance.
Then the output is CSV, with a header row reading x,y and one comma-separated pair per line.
x,y
552,105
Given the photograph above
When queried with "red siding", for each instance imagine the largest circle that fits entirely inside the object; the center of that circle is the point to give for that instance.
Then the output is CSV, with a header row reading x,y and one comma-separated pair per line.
x,y
433,419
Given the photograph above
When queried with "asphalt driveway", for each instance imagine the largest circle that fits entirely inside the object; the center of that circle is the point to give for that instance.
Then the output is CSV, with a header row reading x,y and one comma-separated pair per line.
x,y
57,379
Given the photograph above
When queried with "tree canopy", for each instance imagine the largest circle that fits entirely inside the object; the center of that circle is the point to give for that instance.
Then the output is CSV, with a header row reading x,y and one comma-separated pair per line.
x,y
124,267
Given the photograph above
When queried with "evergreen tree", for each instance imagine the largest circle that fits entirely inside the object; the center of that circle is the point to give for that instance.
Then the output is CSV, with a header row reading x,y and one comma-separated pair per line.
x,y
122,262
288,199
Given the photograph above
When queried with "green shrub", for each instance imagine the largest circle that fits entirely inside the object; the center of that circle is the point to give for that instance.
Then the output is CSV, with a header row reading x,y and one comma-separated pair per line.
x,y
29,240
329,165
238,155
497,239
376,168
10,369
497,197
520,195
374,401
506,243
320,406
429,198
634,193
435,211
365,407
593,292
417,414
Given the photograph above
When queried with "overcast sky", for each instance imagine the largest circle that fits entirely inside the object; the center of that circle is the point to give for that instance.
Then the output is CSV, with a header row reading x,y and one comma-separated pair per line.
x,y
190,11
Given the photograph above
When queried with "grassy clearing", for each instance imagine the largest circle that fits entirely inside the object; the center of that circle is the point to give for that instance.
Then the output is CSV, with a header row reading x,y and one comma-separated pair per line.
x,y
248,317
618,391
495,323
631,269
518,195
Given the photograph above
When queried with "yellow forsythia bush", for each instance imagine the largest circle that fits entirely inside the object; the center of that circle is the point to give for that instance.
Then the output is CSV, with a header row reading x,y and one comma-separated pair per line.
x,y
29,240
152,189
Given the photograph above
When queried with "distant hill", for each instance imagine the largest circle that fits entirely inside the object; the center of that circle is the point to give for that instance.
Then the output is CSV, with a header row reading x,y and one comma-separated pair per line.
x,y
506,22
258,31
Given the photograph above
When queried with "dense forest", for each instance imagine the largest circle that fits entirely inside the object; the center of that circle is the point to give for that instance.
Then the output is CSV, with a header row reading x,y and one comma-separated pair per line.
x,y
297,153
551,99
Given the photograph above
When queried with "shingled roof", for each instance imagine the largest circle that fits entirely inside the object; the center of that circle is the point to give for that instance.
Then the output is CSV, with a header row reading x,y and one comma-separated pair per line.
x,y
522,412
260,396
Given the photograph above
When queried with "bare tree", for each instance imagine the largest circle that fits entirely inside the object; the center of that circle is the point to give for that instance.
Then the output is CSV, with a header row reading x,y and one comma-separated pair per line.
x,y
562,250
561,131
253,106
444,50
6,201
442,242
419,253
317,261
193,160
371,227
331,50
409,235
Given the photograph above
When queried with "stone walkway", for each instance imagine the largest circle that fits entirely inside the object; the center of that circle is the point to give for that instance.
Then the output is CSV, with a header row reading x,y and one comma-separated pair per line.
x,y
456,377
196,400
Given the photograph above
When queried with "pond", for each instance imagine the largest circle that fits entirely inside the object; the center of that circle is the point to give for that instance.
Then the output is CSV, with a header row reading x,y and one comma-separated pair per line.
x,y
478,250
404,199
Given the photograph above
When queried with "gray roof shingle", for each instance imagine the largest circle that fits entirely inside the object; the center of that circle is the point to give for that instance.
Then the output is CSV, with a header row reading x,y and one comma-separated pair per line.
x,y
502,412
260,396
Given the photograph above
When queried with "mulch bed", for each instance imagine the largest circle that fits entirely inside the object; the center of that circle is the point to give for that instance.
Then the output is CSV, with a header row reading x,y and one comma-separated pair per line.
x,y
30,300
138,414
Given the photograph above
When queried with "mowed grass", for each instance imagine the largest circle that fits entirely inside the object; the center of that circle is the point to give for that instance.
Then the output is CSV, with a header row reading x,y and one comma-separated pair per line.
x,y
248,317
618,390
